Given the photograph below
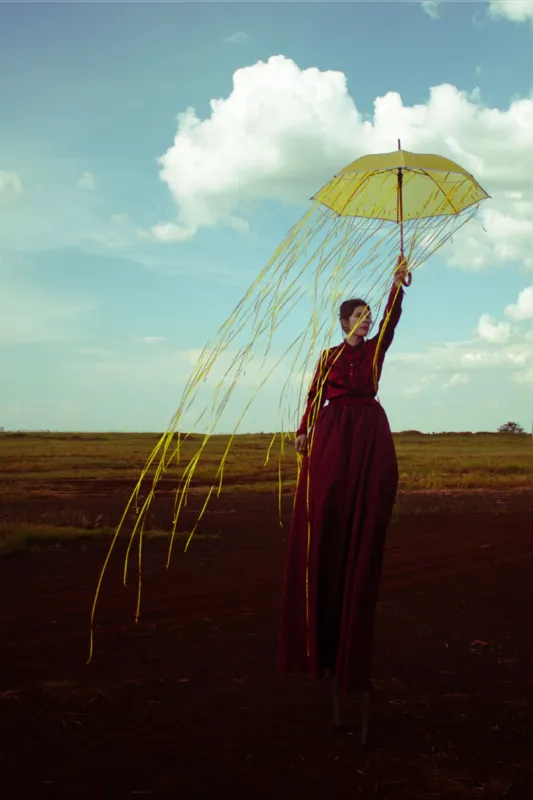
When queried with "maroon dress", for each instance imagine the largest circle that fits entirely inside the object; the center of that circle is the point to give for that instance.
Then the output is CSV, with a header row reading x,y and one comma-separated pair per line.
x,y
344,500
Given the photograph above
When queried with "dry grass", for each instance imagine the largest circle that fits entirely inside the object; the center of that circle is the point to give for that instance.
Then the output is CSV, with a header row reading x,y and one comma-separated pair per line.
x,y
61,466
17,535
40,462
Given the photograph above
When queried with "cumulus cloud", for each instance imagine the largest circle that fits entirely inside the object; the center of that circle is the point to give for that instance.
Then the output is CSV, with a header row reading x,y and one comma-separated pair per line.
x,y
457,379
431,8
514,358
523,308
282,132
514,10
491,331
470,355
499,348
240,37
10,185
506,235
86,181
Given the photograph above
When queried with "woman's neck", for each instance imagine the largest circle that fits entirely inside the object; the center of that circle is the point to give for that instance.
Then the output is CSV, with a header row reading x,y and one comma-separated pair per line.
x,y
354,340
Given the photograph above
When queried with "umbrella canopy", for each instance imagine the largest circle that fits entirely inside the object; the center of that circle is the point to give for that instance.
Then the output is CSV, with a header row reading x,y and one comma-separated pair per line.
x,y
430,186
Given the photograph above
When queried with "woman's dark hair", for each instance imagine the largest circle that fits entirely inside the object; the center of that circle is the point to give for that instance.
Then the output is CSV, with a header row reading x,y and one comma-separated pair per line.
x,y
347,308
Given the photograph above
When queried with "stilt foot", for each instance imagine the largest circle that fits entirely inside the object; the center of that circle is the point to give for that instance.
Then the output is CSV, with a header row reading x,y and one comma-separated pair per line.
x,y
335,696
365,713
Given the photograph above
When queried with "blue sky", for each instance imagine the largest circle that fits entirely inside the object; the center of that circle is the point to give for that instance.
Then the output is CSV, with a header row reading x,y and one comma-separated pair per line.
x,y
115,273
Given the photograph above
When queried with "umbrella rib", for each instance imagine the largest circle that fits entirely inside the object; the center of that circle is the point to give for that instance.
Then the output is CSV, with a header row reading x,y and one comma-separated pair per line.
x,y
418,170
455,211
358,189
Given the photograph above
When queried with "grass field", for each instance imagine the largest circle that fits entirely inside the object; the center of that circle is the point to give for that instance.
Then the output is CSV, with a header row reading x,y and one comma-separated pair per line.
x,y
61,466
31,463
194,682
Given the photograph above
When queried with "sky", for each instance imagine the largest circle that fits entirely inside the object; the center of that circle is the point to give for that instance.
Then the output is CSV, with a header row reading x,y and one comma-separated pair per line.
x,y
148,171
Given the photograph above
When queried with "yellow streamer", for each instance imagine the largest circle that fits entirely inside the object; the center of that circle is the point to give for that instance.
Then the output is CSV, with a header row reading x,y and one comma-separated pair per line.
x,y
321,248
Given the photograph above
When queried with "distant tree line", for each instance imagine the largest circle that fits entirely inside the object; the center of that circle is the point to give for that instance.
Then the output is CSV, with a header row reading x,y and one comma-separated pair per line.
x,y
511,427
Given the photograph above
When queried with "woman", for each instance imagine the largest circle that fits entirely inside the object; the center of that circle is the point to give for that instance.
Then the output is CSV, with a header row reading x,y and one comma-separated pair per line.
x,y
344,501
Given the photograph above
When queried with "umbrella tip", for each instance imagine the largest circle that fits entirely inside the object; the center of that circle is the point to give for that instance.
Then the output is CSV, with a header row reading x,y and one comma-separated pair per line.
x,y
399,145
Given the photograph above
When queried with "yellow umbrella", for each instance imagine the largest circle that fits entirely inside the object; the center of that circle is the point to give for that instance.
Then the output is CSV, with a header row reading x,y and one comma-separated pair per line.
x,y
401,186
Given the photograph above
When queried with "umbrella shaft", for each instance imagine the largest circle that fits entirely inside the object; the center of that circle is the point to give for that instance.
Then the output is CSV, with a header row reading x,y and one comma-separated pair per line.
x,y
400,207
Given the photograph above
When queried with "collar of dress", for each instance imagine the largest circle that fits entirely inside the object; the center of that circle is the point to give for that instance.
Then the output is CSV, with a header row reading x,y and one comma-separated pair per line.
x,y
352,346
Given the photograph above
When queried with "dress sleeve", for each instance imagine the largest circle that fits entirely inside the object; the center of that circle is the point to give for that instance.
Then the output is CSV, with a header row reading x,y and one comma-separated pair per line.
x,y
391,317
316,398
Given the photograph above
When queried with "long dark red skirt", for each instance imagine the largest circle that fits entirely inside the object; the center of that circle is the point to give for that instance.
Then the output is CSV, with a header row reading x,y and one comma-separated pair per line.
x,y
353,478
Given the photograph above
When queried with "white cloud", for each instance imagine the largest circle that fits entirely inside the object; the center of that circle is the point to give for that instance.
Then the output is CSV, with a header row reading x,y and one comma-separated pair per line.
x,y
480,356
523,308
520,359
10,185
493,332
457,379
283,132
240,37
431,8
168,232
86,181
504,237
419,386
524,377
478,70
148,339
514,10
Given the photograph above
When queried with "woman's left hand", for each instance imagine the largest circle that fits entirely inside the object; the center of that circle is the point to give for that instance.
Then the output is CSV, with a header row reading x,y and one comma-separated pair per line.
x,y
401,274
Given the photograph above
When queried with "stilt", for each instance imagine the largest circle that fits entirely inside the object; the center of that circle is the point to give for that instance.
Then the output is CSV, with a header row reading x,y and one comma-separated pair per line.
x,y
365,711
335,696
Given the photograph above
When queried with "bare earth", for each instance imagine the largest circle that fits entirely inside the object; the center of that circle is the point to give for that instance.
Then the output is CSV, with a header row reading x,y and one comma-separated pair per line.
x,y
187,703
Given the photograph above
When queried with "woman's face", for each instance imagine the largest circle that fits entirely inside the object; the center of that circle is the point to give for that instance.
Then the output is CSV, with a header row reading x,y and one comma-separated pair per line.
x,y
359,321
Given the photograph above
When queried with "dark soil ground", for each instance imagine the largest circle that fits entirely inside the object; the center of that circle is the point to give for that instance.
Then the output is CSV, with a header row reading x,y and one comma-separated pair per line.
x,y
187,703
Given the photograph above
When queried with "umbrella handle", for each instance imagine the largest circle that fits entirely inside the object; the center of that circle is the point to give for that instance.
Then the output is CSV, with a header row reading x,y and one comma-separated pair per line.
x,y
402,261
